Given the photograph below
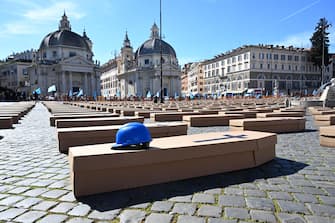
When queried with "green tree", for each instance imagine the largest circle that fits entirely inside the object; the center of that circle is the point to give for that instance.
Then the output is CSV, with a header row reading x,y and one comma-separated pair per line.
x,y
320,44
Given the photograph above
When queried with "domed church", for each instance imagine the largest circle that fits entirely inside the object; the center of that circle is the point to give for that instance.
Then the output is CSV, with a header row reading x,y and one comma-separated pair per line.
x,y
138,73
64,59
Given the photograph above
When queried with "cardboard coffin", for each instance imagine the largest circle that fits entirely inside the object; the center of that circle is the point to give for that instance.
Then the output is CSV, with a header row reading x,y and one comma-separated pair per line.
x,y
85,122
210,120
280,114
324,120
98,168
6,122
327,136
68,137
273,124
53,118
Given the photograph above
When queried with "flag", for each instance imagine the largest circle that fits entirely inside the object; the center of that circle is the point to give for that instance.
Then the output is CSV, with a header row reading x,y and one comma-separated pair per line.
x,y
157,94
148,94
70,93
95,95
38,91
52,88
81,93
191,96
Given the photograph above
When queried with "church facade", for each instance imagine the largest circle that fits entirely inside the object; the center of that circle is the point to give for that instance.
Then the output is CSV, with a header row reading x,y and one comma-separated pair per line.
x,y
65,60
139,73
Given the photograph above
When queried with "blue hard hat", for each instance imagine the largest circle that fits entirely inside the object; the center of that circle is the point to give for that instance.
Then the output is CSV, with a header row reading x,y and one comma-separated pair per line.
x,y
133,134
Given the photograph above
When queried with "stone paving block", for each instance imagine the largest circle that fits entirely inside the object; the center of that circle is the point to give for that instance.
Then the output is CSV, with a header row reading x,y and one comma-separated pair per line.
x,y
186,198
203,198
164,206
28,202
59,184
263,216
188,219
327,200
318,219
54,218
239,213
30,216
54,193
260,203
104,215
80,210
79,220
11,200
292,207
141,206
306,198
161,218
313,190
44,205
68,197
11,213
2,208
280,195
322,210
209,211
233,191
231,201
218,220
63,207
184,208
35,192
18,190
290,218
134,216
42,183
213,191
254,193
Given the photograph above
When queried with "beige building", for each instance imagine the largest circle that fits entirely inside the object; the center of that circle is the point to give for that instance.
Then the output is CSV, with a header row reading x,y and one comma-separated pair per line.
x,y
195,79
65,59
268,67
138,73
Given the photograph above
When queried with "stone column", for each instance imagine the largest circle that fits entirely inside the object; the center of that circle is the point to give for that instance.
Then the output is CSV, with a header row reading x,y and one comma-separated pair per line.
x,y
70,81
85,84
63,83
92,84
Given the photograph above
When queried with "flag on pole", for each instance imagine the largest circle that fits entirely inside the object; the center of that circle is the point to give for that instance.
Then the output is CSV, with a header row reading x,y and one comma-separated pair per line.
x,y
38,91
148,94
81,93
52,88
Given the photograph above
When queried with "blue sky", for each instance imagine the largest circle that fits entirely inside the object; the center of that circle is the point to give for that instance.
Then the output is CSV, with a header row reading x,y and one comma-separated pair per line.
x,y
197,29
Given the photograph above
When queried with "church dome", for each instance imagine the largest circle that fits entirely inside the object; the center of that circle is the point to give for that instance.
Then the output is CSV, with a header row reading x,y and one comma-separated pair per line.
x,y
152,46
64,38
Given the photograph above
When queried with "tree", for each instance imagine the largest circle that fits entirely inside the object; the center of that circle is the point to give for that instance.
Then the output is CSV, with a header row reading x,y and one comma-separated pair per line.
x,y
320,44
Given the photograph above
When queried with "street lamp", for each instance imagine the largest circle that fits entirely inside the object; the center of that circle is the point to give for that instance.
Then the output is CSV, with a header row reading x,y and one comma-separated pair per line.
x,y
323,28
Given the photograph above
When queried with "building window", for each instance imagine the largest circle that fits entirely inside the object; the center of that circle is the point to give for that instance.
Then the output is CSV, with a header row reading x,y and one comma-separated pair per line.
x,y
146,61
234,59
303,58
253,56
275,56
246,56
282,57
296,58
261,66
289,57
239,58
275,66
289,67
72,54
268,66
54,53
282,66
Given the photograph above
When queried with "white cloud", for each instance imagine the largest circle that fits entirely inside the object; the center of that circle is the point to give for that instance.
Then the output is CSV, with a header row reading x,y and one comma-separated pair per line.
x,y
34,15
296,40
53,12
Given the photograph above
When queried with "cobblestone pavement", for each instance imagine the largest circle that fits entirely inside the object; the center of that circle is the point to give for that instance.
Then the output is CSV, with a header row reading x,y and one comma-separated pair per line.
x,y
298,186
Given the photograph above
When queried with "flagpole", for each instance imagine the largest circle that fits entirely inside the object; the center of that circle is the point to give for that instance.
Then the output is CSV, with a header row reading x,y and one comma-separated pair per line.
x,y
161,52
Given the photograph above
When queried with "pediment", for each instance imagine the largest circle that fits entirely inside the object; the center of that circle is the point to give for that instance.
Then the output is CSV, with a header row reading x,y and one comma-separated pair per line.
x,y
76,60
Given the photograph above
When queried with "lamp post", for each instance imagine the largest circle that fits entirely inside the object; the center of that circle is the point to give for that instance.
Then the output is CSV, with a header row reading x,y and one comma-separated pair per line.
x,y
323,29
